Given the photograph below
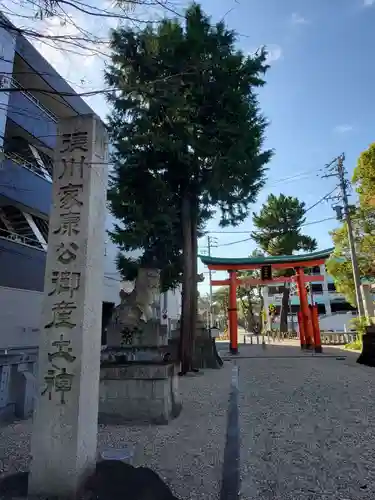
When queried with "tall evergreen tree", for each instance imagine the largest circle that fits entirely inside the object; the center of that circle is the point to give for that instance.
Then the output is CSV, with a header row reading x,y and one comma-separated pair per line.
x,y
279,224
185,121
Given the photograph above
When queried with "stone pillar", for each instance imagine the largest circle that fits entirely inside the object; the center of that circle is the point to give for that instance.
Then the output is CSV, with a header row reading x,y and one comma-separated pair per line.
x,y
368,302
64,436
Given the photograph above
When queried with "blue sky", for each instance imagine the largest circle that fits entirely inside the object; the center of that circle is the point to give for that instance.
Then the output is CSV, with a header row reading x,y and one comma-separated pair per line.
x,y
318,97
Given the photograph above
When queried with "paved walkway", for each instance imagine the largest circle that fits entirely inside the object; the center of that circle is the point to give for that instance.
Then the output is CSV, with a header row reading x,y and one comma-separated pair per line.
x,y
306,430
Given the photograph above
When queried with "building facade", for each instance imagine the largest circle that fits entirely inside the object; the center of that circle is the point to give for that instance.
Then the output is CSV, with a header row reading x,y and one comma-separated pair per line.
x,y
335,313
33,97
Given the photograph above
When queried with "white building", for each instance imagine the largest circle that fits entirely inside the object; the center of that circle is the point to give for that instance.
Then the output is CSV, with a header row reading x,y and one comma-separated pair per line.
x,y
335,313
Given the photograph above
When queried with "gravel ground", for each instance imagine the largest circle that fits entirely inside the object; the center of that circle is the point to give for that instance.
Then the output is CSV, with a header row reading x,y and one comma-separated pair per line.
x,y
187,453
306,426
307,430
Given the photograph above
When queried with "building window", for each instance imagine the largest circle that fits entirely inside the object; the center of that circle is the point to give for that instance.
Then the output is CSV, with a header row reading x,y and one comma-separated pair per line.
x,y
331,287
273,290
343,307
27,155
42,225
322,309
317,288
16,227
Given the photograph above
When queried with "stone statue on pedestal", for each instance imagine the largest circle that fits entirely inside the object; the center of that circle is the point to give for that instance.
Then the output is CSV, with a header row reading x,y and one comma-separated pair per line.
x,y
138,382
134,322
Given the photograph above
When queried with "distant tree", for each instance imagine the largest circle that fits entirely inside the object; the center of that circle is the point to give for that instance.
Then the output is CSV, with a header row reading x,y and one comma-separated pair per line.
x,y
185,119
279,225
220,299
363,217
251,296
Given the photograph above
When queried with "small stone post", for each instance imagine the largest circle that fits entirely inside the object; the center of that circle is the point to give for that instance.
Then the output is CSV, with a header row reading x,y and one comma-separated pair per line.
x,y
64,438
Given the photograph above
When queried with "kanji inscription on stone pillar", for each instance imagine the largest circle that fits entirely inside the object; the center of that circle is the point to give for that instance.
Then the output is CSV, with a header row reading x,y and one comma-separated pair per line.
x,y
64,435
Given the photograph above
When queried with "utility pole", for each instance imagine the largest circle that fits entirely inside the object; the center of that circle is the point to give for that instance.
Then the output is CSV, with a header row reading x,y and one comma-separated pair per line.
x,y
345,213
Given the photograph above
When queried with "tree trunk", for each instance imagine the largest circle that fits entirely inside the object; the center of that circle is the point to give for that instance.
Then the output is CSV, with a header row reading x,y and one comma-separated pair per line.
x,y
185,348
194,287
261,319
284,310
250,314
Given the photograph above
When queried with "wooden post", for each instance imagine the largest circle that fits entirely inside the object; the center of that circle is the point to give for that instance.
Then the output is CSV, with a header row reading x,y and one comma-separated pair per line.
x,y
232,313
301,331
304,304
315,322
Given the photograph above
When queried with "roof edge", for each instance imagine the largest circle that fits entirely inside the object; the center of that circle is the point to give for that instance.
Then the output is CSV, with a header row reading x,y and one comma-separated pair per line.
x,y
278,259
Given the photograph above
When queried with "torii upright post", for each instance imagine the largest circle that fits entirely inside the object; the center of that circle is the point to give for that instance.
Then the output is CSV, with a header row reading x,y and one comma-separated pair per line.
x,y
305,312
232,313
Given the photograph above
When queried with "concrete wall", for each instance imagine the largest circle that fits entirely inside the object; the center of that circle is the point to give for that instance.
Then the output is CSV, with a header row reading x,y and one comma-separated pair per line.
x,y
33,57
7,51
21,267
337,322
25,187
27,114
19,317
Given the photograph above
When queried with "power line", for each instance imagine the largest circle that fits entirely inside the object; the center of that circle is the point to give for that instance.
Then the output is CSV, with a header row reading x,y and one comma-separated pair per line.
x,y
325,197
296,177
247,232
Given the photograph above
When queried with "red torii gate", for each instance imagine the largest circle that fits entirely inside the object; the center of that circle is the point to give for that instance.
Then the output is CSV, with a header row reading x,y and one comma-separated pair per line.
x,y
308,319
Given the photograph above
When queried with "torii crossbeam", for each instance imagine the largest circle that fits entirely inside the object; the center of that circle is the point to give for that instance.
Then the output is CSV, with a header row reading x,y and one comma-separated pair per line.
x,y
307,318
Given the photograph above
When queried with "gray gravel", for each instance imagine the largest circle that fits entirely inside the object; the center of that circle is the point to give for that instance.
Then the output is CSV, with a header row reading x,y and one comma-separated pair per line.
x,y
307,430
187,453
307,427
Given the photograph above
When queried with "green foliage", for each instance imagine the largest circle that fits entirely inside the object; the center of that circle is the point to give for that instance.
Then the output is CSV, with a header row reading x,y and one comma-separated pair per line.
x,y
359,324
339,265
250,296
271,308
220,299
184,122
363,219
279,224
364,179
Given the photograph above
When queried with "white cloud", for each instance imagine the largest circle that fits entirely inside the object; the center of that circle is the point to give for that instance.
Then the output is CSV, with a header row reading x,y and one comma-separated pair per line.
x,y
79,55
342,129
274,53
368,3
298,19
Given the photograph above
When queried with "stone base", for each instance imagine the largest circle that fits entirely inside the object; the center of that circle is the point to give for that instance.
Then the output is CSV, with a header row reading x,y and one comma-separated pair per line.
x,y
139,392
367,356
205,354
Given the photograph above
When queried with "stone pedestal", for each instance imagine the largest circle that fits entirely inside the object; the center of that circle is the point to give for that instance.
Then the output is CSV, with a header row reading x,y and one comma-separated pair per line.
x,y
139,393
205,352
138,380
367,356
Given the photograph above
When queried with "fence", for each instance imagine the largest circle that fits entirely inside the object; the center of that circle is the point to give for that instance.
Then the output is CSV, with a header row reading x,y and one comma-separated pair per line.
x,y
327,338
337,338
